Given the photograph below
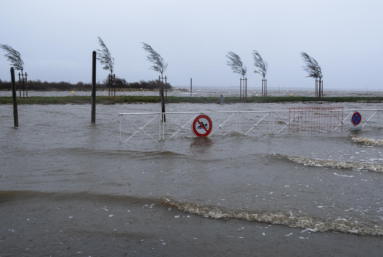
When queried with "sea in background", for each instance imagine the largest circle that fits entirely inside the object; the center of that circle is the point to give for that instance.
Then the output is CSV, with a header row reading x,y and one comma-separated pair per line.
x,y
70,187
210,92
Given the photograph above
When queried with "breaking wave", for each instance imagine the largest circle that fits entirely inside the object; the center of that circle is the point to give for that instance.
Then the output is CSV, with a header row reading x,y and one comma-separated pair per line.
x,y
367,141
280,218
335,164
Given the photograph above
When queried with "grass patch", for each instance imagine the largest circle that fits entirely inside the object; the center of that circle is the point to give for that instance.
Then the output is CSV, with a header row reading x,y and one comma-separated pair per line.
x,y
183,99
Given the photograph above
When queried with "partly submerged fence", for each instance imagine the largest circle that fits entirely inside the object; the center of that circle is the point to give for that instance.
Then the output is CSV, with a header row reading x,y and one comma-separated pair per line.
x,y
251,123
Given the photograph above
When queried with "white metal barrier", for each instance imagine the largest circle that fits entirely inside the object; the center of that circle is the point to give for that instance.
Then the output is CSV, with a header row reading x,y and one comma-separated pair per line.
x,y
244,122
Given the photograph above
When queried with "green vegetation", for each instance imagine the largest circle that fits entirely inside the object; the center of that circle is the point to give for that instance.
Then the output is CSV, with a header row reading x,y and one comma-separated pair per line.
x,y
175,99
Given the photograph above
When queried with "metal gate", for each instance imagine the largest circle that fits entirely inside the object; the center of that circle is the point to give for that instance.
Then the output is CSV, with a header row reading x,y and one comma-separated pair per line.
x,y
249,123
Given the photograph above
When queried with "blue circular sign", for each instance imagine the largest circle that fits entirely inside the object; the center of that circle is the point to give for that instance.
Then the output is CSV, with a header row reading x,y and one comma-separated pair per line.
x,y
356,118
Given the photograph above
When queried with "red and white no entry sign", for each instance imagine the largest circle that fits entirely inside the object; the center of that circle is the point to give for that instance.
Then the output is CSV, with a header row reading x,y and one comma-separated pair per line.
x,y
202,125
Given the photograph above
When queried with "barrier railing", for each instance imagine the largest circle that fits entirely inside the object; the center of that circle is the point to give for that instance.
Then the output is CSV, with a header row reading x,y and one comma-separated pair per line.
x,y
243,122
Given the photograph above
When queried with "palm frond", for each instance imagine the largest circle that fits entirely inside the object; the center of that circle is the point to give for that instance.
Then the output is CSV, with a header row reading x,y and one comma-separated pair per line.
x,y
159,63
312,67
14,57
260,64
236,64
105,57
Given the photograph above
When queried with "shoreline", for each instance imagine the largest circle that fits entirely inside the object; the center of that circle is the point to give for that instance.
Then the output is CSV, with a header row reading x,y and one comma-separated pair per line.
x,y
175,99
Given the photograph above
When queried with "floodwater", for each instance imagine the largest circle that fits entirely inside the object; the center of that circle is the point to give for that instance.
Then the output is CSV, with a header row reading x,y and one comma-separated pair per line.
x,y
71,188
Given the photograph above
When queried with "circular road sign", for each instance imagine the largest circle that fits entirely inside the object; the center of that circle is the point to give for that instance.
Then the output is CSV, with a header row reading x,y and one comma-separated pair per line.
x,y
202,125
356,118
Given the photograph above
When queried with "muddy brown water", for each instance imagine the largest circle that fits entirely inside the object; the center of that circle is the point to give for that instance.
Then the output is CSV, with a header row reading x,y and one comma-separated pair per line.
x,y
69,187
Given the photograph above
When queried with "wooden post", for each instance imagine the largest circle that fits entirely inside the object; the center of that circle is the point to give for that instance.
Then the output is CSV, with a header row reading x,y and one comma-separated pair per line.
x,y
20,82
22,76
15,115
114,84
246,91
166,90
159,86
26,84
109,84
322,87
162,101
19,86
240,88
316,88
93,86
262,88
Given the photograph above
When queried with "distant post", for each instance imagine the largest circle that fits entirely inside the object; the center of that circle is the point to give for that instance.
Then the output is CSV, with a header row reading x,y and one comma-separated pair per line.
x,y
159,86
264,87
316,88
246,90
15,115
240,88
322,87
26,84
191,86
94,87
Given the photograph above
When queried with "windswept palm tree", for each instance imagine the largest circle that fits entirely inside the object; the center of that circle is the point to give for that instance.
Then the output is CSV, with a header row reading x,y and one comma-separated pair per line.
x,y
262,70
236,64
314,70
14,57
260,64
105,57
312,67
17,63
159,63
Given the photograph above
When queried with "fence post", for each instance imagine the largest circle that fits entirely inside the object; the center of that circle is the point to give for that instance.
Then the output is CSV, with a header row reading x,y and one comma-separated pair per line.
x,y
15,114
120,126
94,86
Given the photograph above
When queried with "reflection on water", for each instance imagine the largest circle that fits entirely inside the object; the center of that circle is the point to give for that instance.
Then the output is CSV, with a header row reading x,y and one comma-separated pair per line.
x,y
201,143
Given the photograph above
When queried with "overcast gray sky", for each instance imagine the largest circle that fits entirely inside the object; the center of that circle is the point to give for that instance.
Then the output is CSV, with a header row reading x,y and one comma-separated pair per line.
x,y
56,39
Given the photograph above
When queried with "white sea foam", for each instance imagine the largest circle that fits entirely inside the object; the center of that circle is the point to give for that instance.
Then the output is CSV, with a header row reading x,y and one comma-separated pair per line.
x,y
280,218
367,141
335,164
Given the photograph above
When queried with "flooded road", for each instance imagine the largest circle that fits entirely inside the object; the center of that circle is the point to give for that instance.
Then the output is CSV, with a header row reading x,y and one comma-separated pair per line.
x,y
69,187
